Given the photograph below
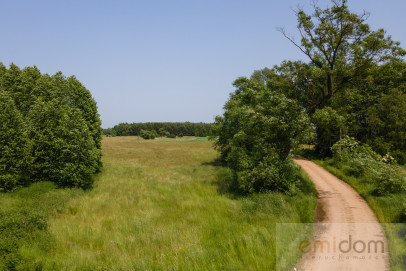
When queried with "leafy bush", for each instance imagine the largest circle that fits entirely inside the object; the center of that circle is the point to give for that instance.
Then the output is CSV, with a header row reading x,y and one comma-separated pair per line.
x,y
347,144
360,160
271,174
152,134
171,136
17,227
389,180
163,132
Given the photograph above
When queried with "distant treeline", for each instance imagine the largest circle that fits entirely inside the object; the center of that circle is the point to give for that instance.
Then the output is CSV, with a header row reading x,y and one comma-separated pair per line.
x,y
174,128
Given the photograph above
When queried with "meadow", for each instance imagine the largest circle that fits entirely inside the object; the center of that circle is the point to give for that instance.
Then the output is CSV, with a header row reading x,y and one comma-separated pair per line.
x,y
158,204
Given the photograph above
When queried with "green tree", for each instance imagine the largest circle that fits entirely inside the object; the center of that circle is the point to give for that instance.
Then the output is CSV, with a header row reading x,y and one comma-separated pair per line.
x,y
151,134
63,149
15,145
341,46
388,124
328,125
163,132
79,97
256,133
55,126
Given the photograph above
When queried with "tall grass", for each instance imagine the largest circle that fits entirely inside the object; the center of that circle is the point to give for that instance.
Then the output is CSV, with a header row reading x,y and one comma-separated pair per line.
x,y
24,221
159,205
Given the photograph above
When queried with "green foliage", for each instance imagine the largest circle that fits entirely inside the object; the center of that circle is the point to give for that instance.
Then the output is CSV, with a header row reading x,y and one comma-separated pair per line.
x,y
63,147
163,132
328,124
109,132
50,129
347,144
151,134
359,160
24,220
15,146
341,46
17,227
255,135
355,74
271,174
388,121
171,136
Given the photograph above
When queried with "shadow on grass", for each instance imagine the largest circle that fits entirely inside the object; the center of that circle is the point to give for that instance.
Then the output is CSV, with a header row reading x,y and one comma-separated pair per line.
x,y
215,163
226,180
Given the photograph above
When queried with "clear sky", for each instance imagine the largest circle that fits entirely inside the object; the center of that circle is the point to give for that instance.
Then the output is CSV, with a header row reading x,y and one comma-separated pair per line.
x,y
161,60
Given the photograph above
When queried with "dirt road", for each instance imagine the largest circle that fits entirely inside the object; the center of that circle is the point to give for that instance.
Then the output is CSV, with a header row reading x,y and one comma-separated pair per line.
x,y
346,228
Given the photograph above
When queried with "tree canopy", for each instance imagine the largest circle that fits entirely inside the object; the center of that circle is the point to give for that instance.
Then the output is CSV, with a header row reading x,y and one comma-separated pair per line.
x,y
341,47
50,129
256,133
350,69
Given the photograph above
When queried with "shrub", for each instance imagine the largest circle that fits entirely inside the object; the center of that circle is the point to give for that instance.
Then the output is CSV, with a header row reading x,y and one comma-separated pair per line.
x,y
171,136
389,181
270,174
163,132
148,134
17,227
360,160
347,144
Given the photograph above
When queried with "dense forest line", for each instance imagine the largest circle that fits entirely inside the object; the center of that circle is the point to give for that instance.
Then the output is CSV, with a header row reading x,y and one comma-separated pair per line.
x,y
49,129
160,128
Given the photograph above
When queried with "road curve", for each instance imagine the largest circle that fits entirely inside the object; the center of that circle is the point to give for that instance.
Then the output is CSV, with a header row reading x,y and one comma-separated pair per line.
x,y
347,223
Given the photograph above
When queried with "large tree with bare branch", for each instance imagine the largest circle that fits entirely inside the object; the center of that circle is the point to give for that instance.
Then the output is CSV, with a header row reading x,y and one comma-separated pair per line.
x,y
341,47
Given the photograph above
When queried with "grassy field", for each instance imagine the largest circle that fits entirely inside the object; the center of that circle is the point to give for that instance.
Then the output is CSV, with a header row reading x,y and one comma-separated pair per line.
x,y
157,205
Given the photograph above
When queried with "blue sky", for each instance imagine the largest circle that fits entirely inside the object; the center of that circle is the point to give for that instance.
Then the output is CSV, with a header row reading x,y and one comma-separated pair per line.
x,y
162,60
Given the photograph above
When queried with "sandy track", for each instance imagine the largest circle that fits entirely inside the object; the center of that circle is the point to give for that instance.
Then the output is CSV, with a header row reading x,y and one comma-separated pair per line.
x,y
342,215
